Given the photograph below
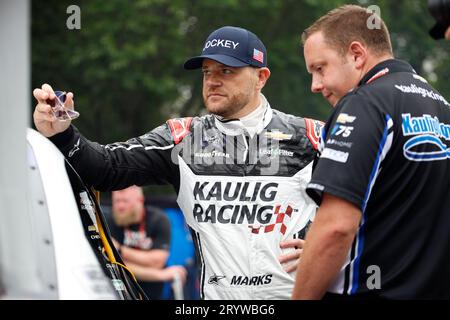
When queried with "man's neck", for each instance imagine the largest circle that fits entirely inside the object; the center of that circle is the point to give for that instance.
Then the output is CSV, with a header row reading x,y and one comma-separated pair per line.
x,y
373,61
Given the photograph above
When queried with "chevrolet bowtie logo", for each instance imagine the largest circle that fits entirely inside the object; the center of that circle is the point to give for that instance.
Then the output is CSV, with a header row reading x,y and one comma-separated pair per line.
x,y
345,118
278,135
215,279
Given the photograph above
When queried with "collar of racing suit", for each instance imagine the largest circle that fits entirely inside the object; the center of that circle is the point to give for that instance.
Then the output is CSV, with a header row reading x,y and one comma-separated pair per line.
x,y
253,123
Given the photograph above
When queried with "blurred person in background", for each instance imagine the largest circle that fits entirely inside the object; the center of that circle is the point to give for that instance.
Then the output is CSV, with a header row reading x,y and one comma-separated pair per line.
x,y
142,236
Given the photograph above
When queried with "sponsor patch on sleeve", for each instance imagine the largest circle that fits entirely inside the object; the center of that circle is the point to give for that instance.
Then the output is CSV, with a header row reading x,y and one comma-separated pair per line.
x,y
179,128
335,155
313,128
344,118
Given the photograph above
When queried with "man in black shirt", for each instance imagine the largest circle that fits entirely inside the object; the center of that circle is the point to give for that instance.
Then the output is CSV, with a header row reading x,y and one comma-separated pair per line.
x,y
382,179
142,236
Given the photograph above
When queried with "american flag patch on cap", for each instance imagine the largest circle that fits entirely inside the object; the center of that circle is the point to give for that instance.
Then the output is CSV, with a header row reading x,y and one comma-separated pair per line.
x,y
258,55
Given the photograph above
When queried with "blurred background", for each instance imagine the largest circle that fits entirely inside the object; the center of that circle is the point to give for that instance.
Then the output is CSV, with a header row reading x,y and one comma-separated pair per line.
x,y
124,63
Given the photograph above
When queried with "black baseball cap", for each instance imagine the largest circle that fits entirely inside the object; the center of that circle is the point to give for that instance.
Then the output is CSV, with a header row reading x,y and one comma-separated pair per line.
x,y
231,46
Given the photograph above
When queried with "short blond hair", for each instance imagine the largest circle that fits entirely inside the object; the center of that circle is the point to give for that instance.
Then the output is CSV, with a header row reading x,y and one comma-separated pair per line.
x,y
348,23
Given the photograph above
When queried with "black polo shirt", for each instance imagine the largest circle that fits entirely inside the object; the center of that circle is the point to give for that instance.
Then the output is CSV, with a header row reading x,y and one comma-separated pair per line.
x,y
153,232
385,149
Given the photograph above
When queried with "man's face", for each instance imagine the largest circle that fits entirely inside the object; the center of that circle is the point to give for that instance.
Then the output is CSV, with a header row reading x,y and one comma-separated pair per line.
x,y
126,207
447,34
228,90
333,75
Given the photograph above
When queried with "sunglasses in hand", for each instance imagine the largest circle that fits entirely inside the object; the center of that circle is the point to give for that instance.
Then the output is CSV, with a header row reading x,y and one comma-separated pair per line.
x,y
59,110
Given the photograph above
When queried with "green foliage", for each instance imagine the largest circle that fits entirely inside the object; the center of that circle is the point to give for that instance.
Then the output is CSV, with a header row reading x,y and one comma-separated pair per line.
x,y
125,64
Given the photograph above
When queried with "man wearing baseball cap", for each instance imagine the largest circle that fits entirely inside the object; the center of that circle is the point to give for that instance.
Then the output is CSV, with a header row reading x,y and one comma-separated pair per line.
x,y
240,172
240,58
232,46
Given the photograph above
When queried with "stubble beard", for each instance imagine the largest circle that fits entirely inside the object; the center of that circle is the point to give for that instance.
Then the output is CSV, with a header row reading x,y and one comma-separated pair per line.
x,y
126,219
230,107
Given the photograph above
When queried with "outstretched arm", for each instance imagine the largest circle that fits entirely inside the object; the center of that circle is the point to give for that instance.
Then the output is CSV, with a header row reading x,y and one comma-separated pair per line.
x,y
142,160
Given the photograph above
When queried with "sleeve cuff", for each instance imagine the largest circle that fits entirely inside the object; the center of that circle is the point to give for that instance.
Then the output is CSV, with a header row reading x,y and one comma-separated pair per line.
x,y
315,191
62,139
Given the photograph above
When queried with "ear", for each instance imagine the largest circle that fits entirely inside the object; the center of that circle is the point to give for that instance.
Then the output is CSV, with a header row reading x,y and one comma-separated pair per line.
x,y
263,75
358,54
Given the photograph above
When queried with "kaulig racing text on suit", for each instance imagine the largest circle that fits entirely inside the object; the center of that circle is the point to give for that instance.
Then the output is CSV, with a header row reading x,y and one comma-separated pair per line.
x,y
240,195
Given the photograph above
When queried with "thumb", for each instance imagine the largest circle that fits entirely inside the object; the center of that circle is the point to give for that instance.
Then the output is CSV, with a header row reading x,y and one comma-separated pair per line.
x,y
69,103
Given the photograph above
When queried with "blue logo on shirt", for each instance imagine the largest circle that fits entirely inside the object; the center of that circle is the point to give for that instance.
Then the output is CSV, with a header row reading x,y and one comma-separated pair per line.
x,y
427,130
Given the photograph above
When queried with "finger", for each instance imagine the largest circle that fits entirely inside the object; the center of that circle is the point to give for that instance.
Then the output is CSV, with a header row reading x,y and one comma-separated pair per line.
x,y
291,267
47,88
180,273
292,243
183,275
50,117
290,256
40,95
69,101
43,112
43,108
45,118
181,270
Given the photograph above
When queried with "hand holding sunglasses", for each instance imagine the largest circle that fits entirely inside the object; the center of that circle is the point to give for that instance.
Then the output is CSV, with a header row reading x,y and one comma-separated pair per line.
x,y
59,110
